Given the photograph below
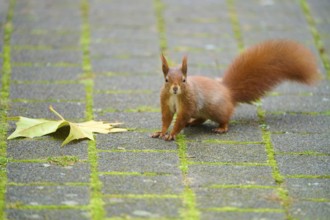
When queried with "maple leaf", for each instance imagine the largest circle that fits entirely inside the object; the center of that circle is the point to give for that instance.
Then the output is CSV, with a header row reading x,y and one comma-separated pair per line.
x,y
29,127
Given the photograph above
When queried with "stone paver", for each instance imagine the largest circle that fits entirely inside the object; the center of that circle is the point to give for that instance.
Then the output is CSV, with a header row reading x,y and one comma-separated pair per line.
x,y
99,59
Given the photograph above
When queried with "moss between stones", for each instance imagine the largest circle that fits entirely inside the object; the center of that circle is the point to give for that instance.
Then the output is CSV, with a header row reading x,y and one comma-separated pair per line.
x,y
116,173
190,211
46,100
307,153
217,141
227,163
143,109
59,64
216,186
235,209
63,161
114,92
266,134
138,151
96,205
235,24
299,176
143,196
57,82
283,194
4,99
317,38
48,184
159,11
19,205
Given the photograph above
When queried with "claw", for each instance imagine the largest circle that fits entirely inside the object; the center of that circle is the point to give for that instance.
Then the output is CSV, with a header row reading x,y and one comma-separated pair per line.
x,y
158,134
169,137
220,130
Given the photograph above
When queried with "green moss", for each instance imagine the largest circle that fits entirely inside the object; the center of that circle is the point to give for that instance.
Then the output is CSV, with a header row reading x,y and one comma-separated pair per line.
x,y
3,162
21,206
299,113
182,151
114,92
316,199
39,31
217,186
285,199
34,64
143,109
247,164
142,196
106,110
96,201
235,24
217,141
63,161
123,56
46,100
42,47
131,173
204,20
274,94
4,103
96,205
14,205
190,211
45,82
317,38
138,151
307,153
159,11
283,195
111,74
47,184
236,209
31,47
59,161
89,86
301,176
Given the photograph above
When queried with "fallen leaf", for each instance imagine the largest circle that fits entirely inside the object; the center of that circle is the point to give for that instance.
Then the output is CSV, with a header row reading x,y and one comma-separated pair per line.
x,y
28,127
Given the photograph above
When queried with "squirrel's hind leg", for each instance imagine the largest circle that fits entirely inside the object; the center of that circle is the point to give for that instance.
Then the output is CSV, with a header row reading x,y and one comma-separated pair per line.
x,y
223,128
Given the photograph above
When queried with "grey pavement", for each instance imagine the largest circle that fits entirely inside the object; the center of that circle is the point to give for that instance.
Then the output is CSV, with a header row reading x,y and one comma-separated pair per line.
x,y
99,59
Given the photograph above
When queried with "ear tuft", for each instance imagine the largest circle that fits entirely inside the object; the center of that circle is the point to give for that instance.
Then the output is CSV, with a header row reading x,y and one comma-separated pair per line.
x,y
184,67
164,64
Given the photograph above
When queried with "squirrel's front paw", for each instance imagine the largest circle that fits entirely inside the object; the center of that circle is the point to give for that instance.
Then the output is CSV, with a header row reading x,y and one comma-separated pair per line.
x,y
169,137
158,134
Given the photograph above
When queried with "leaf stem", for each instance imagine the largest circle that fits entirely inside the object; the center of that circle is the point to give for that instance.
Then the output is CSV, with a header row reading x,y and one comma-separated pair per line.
x,y
56,113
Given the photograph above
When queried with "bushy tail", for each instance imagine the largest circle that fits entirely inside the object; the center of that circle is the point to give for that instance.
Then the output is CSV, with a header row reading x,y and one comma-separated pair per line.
x,y
260,68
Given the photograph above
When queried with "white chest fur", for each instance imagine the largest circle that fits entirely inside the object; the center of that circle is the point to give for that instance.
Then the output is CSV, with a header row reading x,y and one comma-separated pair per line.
x,y
173,103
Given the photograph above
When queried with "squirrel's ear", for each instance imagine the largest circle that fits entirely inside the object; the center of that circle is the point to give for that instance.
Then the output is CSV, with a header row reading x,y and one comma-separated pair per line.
x,y
184,67
164,65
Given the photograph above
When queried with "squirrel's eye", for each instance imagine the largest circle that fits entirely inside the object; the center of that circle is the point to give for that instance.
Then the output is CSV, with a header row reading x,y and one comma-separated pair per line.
x,y
184,80
166,80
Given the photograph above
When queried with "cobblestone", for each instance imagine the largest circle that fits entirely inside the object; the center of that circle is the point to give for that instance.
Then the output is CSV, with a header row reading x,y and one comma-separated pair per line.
x,y
99,59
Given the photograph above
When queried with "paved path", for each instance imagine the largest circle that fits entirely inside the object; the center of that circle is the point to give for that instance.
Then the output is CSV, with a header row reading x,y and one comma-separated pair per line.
x,y
99,59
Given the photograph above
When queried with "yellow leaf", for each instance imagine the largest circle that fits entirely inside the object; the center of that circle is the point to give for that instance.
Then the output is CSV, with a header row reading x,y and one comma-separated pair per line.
x,y
115,130
27,127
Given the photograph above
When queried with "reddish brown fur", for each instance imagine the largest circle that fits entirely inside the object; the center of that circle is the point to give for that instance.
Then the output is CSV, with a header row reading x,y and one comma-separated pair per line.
x,y
256,71
262,67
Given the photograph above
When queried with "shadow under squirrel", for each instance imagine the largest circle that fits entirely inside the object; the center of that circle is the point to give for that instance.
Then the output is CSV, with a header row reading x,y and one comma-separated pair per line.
x,y
254,72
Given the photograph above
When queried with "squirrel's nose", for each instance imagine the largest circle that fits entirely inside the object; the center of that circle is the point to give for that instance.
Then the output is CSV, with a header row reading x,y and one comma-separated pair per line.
x,y
175,89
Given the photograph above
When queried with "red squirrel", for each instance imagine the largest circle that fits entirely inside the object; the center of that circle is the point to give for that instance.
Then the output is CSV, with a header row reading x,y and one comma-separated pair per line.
x,y
254,72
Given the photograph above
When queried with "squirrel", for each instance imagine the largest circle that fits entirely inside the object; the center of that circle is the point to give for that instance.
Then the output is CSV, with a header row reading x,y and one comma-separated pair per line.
x,y
254,72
